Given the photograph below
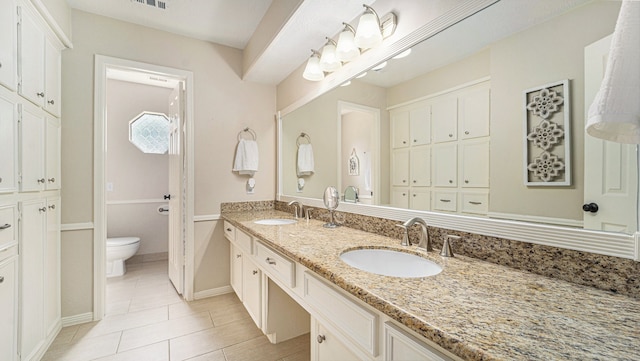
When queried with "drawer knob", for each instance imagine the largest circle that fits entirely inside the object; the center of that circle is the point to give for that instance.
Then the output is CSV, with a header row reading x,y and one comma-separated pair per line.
x,y
321,338
466,181
51,180
51,101
43,209
255,272
404,142
5,226
270,261
53,206
229,229
41,94
450,181
41,180
450,135
466,132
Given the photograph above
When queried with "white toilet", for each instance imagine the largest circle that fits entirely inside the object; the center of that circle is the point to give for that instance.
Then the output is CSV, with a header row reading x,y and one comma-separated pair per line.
x,y
120,249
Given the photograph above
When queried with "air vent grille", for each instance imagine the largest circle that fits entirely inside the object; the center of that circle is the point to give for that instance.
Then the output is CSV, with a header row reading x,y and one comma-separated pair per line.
x,y
159,4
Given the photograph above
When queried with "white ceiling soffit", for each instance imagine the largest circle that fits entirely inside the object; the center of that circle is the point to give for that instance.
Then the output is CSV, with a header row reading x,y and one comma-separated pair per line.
x,y
471,35
307,28
138,77
225,22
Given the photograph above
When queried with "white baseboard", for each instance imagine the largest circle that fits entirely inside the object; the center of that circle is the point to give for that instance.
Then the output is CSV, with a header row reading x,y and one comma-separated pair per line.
x,y
212,292
77,319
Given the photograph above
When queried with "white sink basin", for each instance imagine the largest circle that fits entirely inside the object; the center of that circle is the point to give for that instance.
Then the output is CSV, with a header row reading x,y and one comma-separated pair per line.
x,y
390,263
275,221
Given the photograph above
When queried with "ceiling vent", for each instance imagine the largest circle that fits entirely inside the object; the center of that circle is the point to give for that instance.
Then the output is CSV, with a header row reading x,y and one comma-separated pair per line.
x,y
160,4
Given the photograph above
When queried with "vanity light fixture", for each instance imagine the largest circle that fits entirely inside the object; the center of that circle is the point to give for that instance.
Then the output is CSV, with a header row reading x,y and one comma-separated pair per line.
x,y
328,60
313,71
346,83
404,54
346,50
372,29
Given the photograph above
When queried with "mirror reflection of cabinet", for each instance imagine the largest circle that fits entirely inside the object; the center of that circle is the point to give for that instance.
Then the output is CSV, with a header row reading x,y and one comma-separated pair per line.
x,y
441,145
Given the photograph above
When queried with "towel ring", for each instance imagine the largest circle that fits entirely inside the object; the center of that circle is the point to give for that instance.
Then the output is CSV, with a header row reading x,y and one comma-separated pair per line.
x,y
303,136
247,130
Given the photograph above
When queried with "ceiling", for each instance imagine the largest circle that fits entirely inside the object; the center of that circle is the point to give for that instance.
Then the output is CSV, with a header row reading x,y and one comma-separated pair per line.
x,y
233,23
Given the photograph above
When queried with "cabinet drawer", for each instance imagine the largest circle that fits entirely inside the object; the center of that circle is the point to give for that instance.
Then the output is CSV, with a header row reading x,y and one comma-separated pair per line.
x,y
276,265
8,252
400,345
7,225
244,242
445,201
476,203
229,231
354,322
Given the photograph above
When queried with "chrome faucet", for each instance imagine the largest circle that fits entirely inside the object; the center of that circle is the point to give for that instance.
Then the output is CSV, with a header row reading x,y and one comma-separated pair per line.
x,y
424,241
298,209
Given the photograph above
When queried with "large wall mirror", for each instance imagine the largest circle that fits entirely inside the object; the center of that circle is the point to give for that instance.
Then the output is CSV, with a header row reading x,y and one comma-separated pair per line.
x,y
476,75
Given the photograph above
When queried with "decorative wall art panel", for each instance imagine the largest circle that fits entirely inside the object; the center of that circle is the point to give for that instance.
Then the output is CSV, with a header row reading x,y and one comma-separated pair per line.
x,y
547,145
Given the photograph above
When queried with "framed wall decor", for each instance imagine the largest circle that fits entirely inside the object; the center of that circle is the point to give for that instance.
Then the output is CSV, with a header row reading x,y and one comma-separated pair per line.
x,y
547,135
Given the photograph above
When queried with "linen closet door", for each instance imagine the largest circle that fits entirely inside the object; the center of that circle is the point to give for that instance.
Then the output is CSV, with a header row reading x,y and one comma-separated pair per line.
x,y
176,188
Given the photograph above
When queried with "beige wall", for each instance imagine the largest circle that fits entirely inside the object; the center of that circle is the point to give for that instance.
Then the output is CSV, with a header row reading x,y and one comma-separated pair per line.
x,y
60,11
223,105
358,133
133,174
319,119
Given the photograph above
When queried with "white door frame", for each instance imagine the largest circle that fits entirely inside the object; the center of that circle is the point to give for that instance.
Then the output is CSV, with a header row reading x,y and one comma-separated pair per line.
x,y
102,63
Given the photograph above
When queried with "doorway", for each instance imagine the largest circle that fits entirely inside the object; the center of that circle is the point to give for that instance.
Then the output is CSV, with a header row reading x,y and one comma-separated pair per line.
x,y
180,169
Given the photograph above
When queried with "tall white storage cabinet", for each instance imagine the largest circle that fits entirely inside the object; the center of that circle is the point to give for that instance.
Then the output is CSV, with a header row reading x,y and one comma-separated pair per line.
x,y
440,151
30,63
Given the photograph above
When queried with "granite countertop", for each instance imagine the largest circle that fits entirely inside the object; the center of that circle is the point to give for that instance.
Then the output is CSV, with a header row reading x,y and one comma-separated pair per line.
x,y
476,310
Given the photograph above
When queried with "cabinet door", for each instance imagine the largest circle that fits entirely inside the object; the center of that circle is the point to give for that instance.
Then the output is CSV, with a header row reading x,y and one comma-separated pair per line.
x,y
401,346
236,270
8,44
474,112
400,167
399,197
420,199
8,145
420,125
445,165
420,160
32,231
52,156
52,266
52,79
399,129
9,309
474,164
328,347
251,290
32,176
31,45
444,117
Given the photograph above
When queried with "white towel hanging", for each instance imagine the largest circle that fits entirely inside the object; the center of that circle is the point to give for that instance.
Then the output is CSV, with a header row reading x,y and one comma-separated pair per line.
x,y
305,164
246,161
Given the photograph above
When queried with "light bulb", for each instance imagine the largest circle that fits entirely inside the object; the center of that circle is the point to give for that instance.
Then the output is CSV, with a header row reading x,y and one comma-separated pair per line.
x,y
368,34
346,50
403,54
312,71
328,60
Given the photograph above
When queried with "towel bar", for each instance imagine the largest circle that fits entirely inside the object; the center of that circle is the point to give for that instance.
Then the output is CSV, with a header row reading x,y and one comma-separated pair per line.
x,y
303,136
247,130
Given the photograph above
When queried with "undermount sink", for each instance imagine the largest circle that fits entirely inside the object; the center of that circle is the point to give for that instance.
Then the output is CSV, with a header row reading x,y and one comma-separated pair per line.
x,y
390,263
275,221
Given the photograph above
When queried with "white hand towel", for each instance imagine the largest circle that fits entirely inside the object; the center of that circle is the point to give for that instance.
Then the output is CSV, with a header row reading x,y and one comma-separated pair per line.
x,y
615,112
246,157
305,160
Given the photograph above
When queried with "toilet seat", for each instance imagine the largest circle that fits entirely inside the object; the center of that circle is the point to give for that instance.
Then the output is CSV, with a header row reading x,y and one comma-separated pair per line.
x,y
121,241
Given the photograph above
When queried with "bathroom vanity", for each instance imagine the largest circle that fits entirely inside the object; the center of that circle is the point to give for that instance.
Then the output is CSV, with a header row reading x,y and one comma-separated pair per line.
x,y
472,310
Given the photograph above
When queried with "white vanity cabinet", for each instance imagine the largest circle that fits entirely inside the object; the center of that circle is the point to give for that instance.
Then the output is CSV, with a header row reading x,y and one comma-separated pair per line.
x,y
40,59
52,305
326,346
32,149
8,44
8,143
9,303
252,290
411,126
402,346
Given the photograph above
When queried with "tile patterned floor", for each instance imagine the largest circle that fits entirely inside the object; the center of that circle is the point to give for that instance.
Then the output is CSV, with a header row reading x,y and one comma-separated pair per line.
x,y
147,320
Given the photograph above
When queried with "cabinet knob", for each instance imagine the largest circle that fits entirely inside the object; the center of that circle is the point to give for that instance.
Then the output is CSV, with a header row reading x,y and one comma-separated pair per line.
x,y
255,272
414,194
450,181
404,181
41,180
270,261
238,255
51,101
404,142
0,65
0,179
466,132
51,180
450,135
167,196
466,181
1,279
590,207
229,229
320,338
404,194
415,141
43,209
415,181
5,226
41,94
53,206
